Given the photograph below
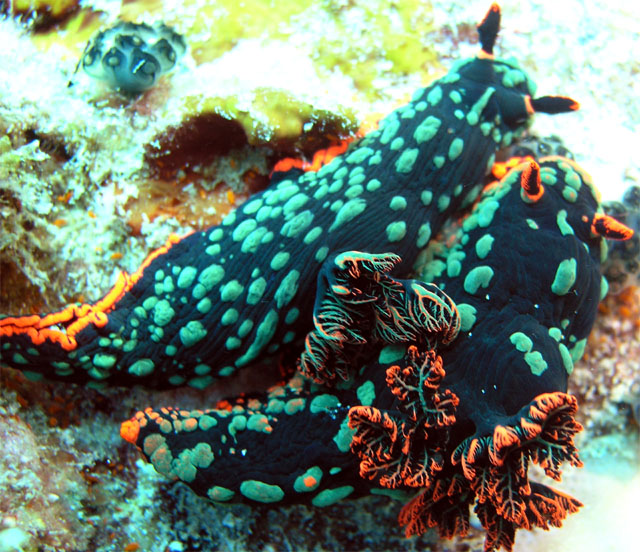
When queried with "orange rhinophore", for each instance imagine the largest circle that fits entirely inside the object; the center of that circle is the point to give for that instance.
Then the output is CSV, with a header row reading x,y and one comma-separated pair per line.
x,y
610,228
531,183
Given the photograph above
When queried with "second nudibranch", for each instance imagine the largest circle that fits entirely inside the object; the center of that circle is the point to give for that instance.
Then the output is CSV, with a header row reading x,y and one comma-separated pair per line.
x,y
218,299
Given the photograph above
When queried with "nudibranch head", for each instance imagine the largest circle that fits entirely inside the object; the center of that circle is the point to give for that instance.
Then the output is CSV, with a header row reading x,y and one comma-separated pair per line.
x,y
512,87
132,56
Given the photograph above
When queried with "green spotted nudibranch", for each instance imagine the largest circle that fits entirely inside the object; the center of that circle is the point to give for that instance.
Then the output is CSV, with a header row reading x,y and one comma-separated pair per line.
x,y
218,300
449,392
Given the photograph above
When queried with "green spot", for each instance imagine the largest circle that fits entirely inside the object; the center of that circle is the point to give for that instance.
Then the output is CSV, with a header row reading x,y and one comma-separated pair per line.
x,y
567,361
390,126
104,361
521,341
443,202
532,224
259,422
232,343
256,290
287,289
245,328
204,305
398,203
292,316
355,190
251,243
202,369
206,422
251,206
565,228
359,155
345,434
279,260
483,245
426,197
237,423
478,277
438,161
192,332
578,350
321,254
547,177
308,481
293,204
366,393
604,288
476,110
149,303
555,333
142,367
331,496
435,95
573,179
486,211
263,213
220,494
455,149
565,277
397,144
231,290
348,212
229,317
392,353
261,492
424,234
322,403
162,313
536,363
396,230
176,380
455,96
313,235
264,333
210,277
427,129
407,159
187,276
569,194
467,316
373,185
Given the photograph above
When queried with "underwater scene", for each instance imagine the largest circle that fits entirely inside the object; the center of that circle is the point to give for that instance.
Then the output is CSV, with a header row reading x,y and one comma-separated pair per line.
x,y
319,275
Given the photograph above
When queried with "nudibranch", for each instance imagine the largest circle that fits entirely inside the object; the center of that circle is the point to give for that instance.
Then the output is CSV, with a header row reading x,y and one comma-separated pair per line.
x,y
448,389
217,300
130,57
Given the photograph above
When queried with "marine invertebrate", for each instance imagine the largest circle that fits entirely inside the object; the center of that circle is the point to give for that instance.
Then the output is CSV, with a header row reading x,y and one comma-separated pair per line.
x,y
216,300
132,56
451,400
